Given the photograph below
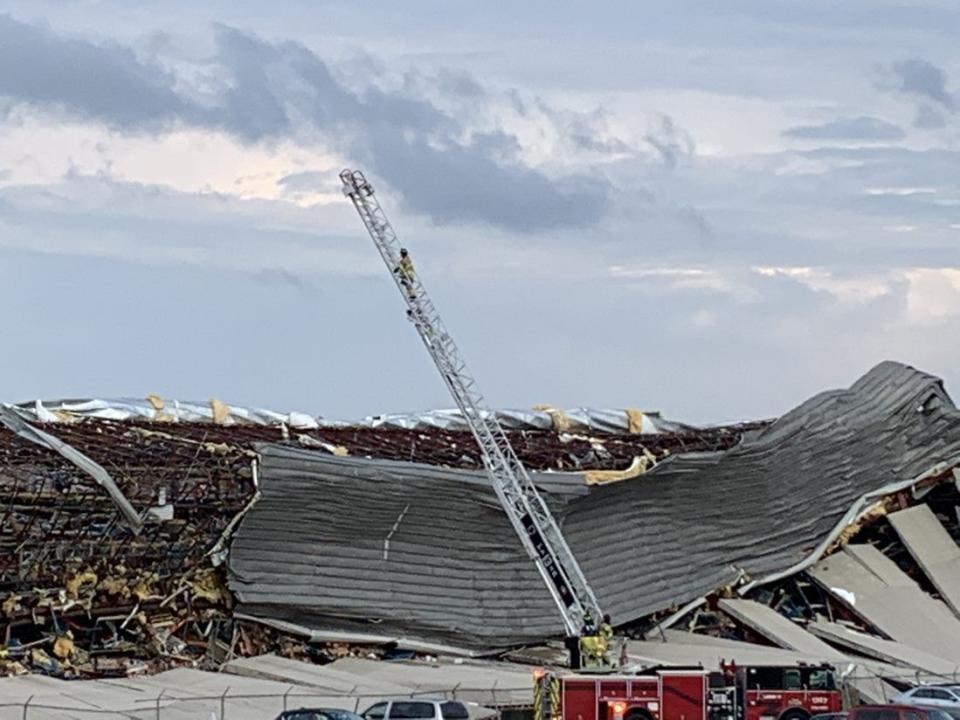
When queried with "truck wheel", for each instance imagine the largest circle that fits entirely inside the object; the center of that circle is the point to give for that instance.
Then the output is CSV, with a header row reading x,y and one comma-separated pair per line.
x,y
795,714
637,714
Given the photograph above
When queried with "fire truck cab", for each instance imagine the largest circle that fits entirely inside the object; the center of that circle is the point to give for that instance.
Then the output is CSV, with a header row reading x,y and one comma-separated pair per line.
x,y
732,693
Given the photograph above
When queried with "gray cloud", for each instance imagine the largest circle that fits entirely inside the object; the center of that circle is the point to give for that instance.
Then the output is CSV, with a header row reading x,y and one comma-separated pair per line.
x,y
670,141
857,128
926,84
107,83
306,181
924,79
463,182
261,91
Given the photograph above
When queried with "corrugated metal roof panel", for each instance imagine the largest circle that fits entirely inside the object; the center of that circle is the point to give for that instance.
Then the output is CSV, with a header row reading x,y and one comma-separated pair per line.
x,y
411,551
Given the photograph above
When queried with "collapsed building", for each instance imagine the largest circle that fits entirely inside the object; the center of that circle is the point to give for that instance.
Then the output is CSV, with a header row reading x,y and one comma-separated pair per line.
x,y
153,587
252,531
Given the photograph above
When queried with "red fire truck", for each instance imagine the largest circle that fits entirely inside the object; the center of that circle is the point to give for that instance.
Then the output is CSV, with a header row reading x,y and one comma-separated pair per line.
x,y
732,693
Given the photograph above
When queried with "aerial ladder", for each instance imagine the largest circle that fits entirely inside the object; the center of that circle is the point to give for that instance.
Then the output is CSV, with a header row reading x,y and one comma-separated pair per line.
x,y
524,506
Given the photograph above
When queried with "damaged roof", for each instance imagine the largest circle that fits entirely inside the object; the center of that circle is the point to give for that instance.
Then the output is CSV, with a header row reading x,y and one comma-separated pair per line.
x,y
367,548
66,553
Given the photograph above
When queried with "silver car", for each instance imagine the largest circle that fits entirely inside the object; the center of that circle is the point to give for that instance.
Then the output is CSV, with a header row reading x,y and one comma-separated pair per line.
x,y
416,709
944,697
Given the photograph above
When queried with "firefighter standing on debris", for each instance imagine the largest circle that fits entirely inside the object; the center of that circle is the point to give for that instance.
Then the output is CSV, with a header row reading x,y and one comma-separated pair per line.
x,y
406,272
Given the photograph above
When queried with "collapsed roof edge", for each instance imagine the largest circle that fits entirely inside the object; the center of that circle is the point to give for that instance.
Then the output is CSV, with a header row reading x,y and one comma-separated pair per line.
x,y
861,508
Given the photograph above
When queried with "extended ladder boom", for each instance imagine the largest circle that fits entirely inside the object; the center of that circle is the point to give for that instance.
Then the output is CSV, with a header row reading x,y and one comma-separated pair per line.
x,y
528,513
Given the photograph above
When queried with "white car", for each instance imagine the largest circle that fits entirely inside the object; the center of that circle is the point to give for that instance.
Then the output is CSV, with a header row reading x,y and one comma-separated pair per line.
x,y
417,709
945,697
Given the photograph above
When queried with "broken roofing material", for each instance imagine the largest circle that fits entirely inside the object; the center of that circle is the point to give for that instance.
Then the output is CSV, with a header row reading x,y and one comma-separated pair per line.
x,y
542,417
768,623
12,421
895,606
381,550
65,556
888,651
313,553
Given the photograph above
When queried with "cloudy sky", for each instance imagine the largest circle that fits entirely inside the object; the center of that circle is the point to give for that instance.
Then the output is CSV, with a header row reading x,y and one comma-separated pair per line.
x,y
710,209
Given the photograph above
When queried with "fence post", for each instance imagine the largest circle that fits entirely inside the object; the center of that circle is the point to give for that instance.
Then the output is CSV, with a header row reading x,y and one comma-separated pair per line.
x,y
27,705
223,703
158,703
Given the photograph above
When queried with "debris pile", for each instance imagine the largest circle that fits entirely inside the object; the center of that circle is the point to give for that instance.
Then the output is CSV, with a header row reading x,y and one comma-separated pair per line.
x,y
83,588
384,535
814,537
83,593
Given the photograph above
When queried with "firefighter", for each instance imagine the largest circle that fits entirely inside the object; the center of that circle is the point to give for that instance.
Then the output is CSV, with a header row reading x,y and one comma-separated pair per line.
x,y
595,643
606,629
589,626
605,633
406,272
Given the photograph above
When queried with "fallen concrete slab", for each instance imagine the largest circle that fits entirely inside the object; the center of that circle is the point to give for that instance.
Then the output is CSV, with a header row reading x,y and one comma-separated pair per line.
x,y
486,683
483,684
871,690
880,565
683,637
902,611
888,651
934,550
778,629
323,677
653,653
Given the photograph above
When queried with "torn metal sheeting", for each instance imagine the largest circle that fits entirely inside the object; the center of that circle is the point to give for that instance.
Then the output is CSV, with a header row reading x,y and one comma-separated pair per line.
x,y
155,408
311,552
706,521
14,422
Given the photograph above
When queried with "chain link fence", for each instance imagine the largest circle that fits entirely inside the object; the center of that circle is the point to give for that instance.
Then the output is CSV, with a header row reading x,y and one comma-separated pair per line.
x,y
80,700
111,700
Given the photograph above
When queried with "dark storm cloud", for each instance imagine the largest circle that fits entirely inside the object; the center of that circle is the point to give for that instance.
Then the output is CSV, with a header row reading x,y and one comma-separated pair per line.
x,y
926,84
262,91
462,182
107,83
857,128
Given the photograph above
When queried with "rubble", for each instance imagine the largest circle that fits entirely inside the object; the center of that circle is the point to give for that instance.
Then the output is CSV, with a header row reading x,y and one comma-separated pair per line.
x,y
72,574
739,525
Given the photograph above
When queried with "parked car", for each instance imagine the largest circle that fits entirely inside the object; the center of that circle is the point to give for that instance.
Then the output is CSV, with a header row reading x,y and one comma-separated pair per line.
x,y
945,697
417,709
830,716
318,714
897,712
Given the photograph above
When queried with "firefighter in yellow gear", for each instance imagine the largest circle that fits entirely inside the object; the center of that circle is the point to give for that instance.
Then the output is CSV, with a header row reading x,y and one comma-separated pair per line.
x,y
406,272
606,629
595,644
